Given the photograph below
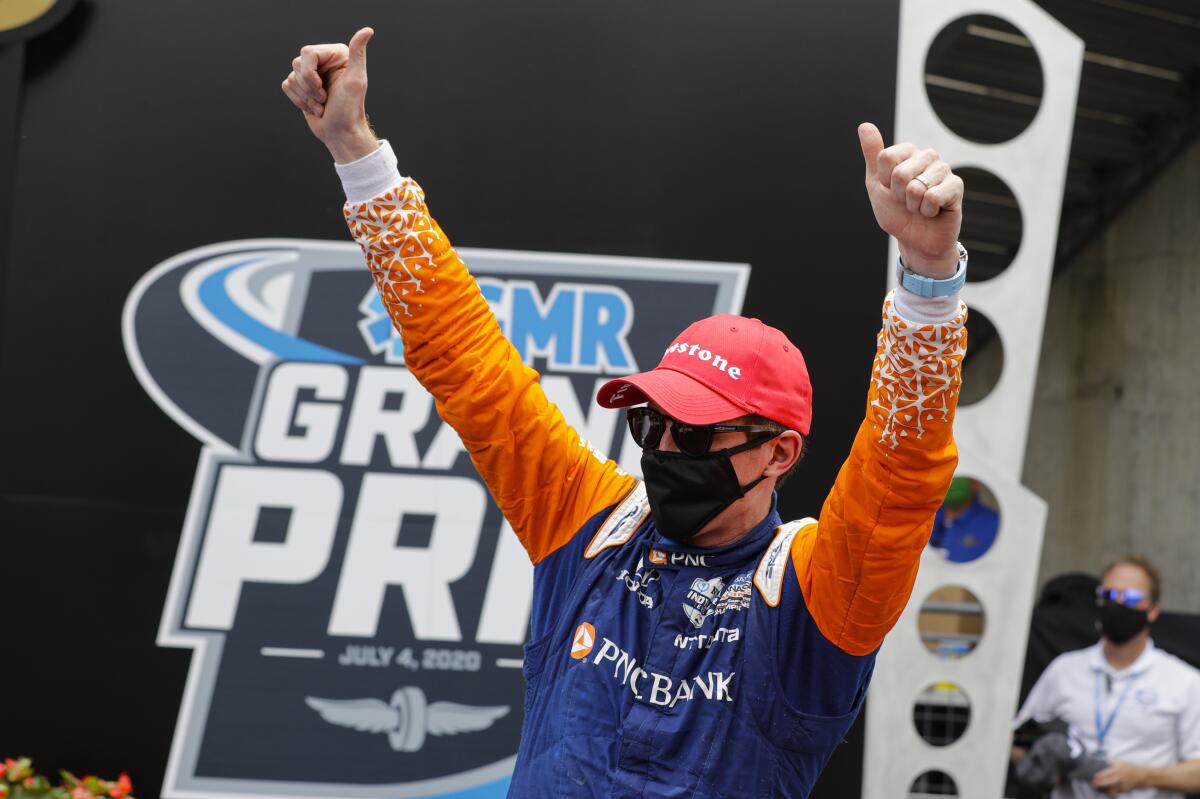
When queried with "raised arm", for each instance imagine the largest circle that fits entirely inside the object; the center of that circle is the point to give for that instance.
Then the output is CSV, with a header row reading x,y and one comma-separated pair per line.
x,y
857,566
545,479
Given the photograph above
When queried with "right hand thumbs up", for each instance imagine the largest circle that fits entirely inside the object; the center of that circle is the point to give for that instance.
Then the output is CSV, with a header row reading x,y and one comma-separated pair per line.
x,y
328,83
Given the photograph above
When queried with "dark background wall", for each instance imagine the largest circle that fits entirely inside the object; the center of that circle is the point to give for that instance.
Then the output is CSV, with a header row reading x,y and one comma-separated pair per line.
x,y
700,129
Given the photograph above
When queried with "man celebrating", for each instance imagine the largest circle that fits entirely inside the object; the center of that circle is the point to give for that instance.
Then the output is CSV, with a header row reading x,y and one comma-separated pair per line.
x,y
685,641
1126,701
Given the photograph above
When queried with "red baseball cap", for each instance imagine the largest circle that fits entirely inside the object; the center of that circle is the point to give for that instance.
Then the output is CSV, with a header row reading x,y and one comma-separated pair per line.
x,y
721,368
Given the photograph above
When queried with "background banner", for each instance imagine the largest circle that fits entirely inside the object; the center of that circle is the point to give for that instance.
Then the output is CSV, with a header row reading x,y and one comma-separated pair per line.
x,y
152,134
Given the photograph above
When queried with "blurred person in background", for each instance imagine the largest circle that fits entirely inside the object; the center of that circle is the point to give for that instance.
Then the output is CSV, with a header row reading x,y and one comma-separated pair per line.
x,y
964,527
1126,703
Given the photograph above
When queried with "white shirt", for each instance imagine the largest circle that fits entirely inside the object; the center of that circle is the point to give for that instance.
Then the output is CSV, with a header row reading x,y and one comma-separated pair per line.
x,y
1157,723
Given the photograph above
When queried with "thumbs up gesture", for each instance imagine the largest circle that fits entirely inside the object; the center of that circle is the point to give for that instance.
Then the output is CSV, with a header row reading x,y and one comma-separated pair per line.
x,y
328,82
917,199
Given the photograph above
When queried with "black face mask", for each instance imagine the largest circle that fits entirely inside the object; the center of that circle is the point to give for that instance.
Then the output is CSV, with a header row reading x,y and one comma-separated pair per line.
x,y
687,492
1119,623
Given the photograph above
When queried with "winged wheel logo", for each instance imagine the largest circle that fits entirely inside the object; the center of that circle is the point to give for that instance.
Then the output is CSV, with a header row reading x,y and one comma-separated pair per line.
x,y
408,718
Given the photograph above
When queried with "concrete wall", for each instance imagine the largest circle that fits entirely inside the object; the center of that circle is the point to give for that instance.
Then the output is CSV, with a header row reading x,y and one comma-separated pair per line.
x,y
1115,436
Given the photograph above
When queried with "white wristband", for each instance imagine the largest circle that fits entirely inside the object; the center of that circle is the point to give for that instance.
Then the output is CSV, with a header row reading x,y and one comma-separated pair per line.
x,y
370,175
925,310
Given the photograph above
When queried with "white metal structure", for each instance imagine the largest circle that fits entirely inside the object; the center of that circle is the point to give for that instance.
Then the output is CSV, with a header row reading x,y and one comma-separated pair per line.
x,y
992,433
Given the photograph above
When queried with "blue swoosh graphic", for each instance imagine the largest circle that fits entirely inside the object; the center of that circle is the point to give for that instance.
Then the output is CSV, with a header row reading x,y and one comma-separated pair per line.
x,y
216,299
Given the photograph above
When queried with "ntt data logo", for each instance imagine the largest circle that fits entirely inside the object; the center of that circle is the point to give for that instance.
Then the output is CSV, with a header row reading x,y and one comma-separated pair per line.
x,y
356,604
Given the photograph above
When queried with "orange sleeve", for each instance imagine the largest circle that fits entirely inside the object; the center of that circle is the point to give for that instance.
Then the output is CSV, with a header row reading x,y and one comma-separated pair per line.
x,y
857,565
545,478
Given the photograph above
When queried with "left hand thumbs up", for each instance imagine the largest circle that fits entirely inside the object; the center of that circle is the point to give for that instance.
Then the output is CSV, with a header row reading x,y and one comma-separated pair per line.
x,y
917,199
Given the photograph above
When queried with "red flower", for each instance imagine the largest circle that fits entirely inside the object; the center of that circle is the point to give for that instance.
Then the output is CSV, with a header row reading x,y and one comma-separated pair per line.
x,y
81,792
3,791
30,782
121,788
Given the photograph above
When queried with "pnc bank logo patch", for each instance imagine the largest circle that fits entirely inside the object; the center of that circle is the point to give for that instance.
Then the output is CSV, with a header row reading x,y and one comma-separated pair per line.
x,y
691,559
338,544
584,640
655,688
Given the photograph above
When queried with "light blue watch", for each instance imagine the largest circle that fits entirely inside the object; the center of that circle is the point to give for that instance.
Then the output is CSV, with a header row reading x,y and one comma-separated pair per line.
x,y
929,287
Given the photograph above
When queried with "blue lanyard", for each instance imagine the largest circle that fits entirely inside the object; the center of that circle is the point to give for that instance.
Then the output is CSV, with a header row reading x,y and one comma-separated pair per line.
x,y
1103,727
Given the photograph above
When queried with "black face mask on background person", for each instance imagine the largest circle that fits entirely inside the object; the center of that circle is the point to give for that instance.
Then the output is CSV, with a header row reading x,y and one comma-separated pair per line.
x,y
686,492
1119,623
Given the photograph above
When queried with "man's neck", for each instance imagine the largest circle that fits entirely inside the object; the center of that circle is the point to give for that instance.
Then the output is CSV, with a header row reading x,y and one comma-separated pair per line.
x,y
1122,656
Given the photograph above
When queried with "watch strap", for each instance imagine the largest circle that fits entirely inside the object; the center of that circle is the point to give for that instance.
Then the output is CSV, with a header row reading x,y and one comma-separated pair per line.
x,y
924,286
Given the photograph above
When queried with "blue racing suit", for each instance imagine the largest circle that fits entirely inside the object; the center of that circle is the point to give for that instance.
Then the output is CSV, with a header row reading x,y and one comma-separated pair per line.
x,y
656,670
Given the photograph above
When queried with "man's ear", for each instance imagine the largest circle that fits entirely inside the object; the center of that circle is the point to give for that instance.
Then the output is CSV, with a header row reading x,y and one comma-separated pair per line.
x,y
1152,614
786,451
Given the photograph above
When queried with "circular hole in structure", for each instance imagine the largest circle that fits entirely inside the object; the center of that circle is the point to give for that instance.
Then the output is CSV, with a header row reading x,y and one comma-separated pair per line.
x,y
991,224
931,784
983,78
951,622
967,523
942,713
984,362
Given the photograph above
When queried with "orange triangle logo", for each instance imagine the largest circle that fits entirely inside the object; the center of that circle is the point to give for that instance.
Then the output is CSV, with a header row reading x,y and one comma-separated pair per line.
x,y
585,639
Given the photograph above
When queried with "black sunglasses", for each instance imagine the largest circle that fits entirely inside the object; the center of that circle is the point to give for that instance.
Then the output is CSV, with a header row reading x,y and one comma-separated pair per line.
x,y
647,426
